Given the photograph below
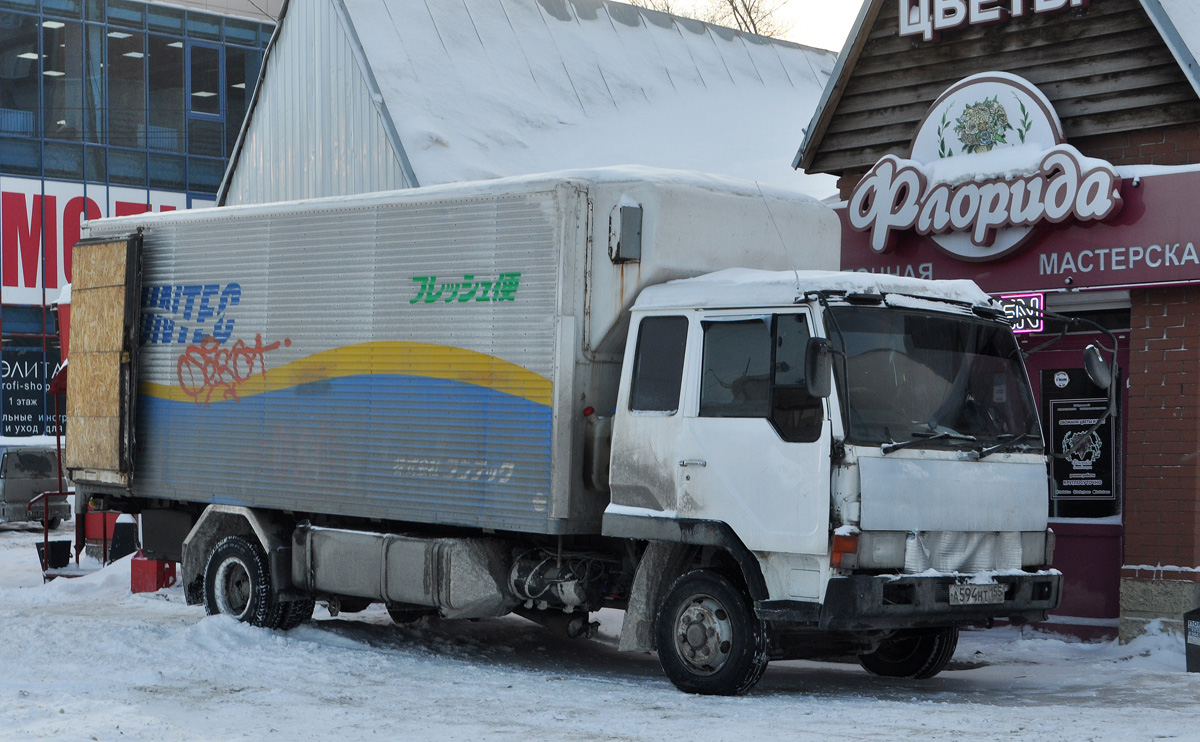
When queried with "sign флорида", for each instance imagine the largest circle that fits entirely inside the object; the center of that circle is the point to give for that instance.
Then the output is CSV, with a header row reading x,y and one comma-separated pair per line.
x,y
986,166
990,180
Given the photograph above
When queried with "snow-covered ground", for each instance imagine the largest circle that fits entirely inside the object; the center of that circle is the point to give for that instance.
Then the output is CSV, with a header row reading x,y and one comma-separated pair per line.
x,y
86,660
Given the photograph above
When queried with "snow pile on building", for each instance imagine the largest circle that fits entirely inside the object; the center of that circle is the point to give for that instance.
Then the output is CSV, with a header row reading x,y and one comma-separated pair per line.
x,y
489,88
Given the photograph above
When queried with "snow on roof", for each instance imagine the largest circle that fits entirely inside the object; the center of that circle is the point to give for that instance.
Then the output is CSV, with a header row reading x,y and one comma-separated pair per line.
x,y
744,287
483,89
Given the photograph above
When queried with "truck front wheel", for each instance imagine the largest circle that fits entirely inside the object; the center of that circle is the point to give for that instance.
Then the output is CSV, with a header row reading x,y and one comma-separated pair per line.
x,y
709,640
237,583
913,654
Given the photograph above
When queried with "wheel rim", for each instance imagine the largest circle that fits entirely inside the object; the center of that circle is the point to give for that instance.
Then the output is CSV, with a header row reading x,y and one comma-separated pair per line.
x,y
233,587
704,635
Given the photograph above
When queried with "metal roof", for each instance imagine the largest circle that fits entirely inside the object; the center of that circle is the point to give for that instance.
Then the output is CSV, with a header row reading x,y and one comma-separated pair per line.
x,y
481,89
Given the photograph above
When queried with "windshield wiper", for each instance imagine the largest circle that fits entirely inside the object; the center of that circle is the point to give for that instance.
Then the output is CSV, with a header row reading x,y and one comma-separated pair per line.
x,y
887,448
1008,442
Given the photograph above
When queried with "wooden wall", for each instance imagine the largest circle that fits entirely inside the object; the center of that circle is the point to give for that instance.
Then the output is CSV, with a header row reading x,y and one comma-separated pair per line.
x,y
1105,68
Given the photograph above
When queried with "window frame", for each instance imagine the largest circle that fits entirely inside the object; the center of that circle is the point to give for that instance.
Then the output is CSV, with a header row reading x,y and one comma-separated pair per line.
x,y
771,318
190,47
635,365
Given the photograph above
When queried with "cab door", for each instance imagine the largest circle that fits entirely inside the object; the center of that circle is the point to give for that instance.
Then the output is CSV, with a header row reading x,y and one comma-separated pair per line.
x,y
645,471
754,446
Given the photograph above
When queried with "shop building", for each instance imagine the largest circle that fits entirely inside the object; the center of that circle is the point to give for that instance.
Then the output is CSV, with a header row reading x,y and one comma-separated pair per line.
x,y
107,107
1050,151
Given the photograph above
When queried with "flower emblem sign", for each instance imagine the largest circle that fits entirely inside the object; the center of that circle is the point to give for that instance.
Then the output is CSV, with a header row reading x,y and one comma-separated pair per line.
x,y
982,126
986,166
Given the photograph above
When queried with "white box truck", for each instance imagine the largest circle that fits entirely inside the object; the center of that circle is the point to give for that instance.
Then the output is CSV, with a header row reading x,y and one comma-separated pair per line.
x,y
556,394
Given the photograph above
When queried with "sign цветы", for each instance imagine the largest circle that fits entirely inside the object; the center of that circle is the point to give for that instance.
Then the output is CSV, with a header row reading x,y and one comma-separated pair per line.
x,y
927,17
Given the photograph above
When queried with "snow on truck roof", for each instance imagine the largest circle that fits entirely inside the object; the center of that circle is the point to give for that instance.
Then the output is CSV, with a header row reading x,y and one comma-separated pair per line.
x,y
744,287
625,175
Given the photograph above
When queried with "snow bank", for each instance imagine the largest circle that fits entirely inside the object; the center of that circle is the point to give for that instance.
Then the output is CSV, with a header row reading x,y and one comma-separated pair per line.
x,y
87,660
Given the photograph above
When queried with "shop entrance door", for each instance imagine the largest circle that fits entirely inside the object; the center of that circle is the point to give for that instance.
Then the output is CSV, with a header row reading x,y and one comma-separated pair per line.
x,y
1087,490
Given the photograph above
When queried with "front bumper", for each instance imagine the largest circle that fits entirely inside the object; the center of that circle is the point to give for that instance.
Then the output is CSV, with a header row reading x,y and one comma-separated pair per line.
x,y
867,603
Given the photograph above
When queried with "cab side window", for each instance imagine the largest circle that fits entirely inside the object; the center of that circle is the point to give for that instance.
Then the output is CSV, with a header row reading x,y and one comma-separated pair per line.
x,y
658,364
736,376
796,415
755,368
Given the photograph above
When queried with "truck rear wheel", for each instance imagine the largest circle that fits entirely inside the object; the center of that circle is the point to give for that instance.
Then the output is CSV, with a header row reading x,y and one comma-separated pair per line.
x,y
709,640
237,583
296,613
915,654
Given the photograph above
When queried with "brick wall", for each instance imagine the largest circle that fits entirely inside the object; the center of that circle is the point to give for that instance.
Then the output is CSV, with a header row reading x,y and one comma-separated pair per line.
x,y
1169,145
1162,507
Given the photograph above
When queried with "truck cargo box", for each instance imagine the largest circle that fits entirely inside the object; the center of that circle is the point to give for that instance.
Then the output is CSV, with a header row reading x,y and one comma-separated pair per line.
x,y
421,356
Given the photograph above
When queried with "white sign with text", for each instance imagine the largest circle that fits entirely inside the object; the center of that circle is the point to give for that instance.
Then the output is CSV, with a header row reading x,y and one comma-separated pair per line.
x,y
986,166
926,18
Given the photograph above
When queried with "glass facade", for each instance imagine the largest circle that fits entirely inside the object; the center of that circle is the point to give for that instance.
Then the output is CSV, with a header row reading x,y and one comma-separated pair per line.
x,y
107,107
113,84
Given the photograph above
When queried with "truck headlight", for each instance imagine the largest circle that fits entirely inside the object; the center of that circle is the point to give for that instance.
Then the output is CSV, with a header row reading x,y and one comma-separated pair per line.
x,y
881,549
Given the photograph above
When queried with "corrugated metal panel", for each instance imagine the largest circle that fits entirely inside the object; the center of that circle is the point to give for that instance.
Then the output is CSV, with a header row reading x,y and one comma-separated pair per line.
x,y
387,361
315,130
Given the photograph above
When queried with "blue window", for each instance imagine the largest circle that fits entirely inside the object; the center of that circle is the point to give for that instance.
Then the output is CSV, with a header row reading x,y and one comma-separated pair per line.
x,y
123,92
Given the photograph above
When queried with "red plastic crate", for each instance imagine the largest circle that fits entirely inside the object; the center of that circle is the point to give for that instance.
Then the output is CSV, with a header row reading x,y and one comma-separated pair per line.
x,y
149,575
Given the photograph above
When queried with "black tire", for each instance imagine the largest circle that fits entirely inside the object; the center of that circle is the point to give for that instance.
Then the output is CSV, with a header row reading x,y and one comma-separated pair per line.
x,y
237,582
403,616
918,654
295,613
709,640
54,523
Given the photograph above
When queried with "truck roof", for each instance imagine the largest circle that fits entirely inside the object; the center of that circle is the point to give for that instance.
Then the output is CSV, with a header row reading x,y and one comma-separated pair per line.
x,y
743,287
612,176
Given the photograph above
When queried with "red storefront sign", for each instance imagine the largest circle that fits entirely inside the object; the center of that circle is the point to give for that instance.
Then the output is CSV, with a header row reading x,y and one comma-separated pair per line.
x,y
40,222
1151,241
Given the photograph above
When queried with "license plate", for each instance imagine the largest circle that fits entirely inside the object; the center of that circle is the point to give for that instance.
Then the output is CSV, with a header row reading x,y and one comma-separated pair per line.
x,y
988,594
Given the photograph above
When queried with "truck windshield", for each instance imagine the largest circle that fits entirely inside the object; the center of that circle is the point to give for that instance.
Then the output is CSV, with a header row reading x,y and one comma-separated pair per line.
x,y
932,380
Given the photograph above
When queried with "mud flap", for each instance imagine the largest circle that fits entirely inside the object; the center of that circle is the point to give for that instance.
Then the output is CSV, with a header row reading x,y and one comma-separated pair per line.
x,y
661,563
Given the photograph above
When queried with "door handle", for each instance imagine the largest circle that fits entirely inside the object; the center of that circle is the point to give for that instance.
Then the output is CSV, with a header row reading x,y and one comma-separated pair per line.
x,y
693,462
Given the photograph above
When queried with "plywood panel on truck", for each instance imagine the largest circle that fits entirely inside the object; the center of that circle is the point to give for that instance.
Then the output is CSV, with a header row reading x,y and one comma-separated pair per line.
x,y
102,363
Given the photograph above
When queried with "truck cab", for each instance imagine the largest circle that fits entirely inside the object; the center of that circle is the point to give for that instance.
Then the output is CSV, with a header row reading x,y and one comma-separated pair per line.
x,y
870,445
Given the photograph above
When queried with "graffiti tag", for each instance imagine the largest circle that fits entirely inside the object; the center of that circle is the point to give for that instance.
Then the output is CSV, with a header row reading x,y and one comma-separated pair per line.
x,y
207,369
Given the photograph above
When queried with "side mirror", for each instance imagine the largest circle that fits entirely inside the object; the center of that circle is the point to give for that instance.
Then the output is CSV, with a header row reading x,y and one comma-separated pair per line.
x,y
1097,368
818,371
